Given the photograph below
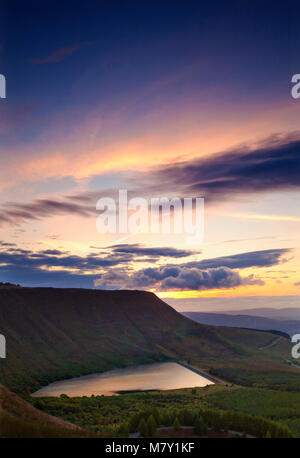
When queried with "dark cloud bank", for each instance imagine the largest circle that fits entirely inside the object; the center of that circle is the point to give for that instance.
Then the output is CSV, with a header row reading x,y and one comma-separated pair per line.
x,y
112,269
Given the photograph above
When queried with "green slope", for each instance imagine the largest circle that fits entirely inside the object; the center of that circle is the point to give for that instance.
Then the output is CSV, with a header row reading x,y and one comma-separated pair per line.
x,y
59,333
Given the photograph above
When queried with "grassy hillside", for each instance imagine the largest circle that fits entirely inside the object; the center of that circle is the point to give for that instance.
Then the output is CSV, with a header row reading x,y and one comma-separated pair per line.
x,y
59,333
20,419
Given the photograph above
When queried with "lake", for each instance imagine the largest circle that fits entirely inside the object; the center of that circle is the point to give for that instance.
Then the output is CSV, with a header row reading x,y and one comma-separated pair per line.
x,y
158,376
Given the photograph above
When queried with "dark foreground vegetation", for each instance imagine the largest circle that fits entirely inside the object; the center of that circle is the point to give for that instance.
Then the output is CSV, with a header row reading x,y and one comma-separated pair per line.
x,y
202,420
204,408
275,405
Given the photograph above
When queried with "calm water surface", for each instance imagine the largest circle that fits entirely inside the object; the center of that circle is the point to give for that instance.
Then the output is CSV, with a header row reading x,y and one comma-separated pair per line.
x,y
158,376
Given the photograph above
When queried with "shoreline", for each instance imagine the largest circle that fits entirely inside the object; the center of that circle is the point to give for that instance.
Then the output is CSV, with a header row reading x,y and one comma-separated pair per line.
x,y
197,371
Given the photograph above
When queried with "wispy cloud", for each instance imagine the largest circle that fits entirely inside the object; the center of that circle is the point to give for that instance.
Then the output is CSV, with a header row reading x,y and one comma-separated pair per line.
x,y
142,250
295,219
14,213
272,166
261,258
60,54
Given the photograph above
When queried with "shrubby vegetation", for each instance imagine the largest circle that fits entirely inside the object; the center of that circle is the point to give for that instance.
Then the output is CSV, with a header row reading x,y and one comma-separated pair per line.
x,y
275,405
274,380
106,413
187,407
146,422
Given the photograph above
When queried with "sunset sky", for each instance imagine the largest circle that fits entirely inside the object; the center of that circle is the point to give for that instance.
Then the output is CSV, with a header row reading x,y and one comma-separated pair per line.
x,y
186,99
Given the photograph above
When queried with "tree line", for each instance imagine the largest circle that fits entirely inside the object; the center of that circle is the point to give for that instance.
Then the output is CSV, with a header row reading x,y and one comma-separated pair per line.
x,y
146,422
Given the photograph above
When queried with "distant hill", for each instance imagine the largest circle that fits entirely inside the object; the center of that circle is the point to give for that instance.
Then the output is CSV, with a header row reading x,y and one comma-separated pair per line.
x,y
289,327
289,313
54,334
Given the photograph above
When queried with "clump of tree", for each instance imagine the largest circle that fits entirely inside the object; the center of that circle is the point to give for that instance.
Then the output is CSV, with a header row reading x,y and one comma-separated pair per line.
x,y
176,424
200,428
143,428
146,422
151,425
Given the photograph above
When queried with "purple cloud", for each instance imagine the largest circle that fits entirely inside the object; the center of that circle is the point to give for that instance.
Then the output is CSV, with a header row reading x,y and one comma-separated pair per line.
x,y
176,278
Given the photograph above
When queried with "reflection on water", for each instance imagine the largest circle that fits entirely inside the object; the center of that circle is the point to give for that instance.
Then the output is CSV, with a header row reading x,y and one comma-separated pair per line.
x,y
159,376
